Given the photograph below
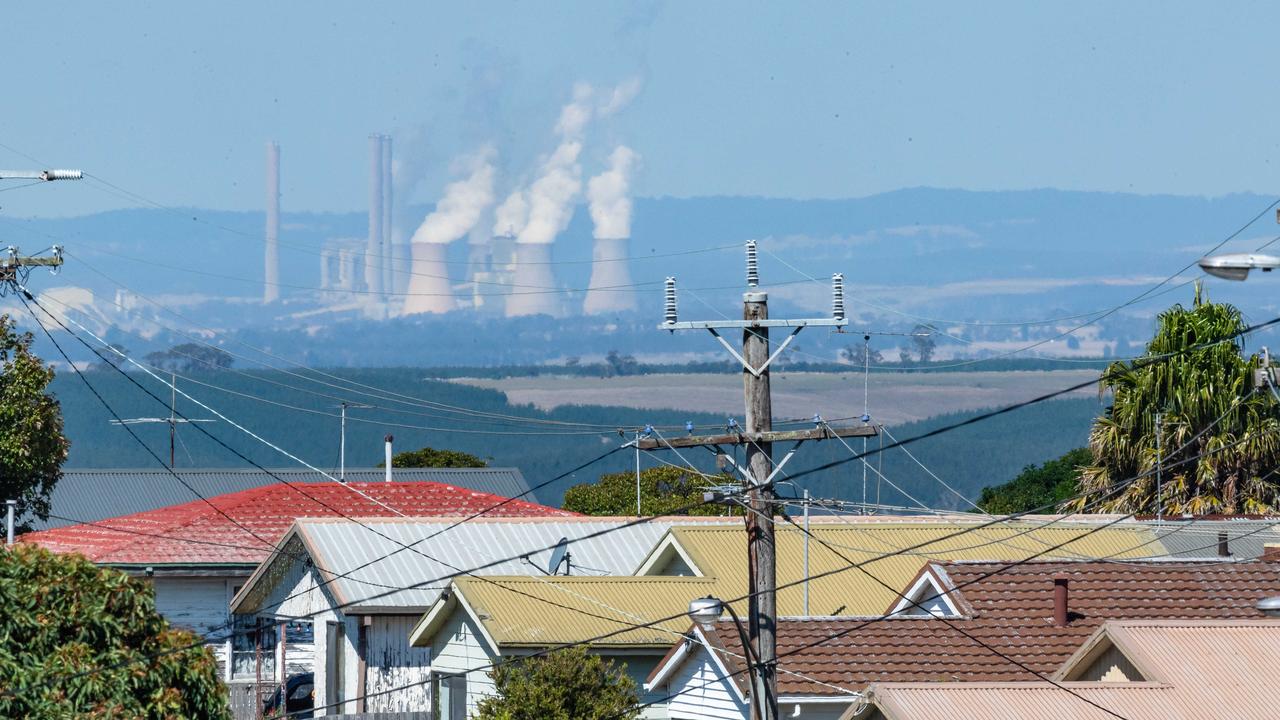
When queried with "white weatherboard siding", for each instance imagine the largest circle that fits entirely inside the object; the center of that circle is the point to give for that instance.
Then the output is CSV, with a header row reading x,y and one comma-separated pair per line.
x,y
198,604
457,648
703,693
396,666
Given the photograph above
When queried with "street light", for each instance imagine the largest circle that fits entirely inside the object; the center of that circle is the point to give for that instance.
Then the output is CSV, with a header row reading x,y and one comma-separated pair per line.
x,y
1236,266
706,611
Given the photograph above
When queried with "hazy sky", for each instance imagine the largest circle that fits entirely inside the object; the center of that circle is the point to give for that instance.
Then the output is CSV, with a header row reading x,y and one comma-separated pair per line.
x,y
811,99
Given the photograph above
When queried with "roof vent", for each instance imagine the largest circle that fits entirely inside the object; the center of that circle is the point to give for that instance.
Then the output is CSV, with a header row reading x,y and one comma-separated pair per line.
x,y
1224,545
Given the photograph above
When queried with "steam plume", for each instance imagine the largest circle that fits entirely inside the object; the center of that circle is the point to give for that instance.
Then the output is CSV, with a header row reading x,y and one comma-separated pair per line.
x,y
463,204
609,196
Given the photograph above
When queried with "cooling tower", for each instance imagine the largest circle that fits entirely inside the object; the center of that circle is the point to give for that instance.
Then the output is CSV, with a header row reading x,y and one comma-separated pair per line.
x,y
609,290
373,259
271,271
534,290
429,289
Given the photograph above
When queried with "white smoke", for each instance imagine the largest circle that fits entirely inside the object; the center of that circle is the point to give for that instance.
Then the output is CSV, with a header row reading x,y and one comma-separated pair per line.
x,y
511,215
545,208
551,195
610,197
463,204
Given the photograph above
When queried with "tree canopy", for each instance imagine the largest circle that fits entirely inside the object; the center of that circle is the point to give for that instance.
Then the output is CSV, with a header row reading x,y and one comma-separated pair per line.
x,y
429,457
1217,441
84,641
32,445
1037,486
663,490
569,684
190,356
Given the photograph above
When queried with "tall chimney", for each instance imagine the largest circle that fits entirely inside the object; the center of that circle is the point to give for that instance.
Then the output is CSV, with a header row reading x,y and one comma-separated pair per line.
x,y
271,272
373,259
609,290
429,288
387,463
1060,600
390,263
534,290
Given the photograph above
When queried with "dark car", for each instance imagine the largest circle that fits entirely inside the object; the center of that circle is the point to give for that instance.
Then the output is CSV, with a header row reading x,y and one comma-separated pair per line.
x,y
300,698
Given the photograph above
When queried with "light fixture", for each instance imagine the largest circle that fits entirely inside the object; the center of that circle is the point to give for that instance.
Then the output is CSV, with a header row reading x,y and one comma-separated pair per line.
x,y
705,611
1236,266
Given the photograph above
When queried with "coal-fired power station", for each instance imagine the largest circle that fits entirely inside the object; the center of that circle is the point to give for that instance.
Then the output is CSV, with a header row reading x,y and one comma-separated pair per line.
x,y
429,287
533,290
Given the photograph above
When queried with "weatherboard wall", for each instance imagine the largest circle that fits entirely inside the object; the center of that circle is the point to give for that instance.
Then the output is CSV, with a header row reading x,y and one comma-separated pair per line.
x,y
397,675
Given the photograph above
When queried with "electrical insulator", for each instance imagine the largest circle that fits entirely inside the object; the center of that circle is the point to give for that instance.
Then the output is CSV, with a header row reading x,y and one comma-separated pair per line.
x,y
753,267
669,314
837,296
61,175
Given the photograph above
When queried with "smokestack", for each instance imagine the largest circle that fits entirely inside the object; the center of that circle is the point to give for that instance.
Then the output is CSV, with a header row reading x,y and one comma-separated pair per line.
x,y
271,272
391,263
429,288
372,260
534,290
1060,600
387,464
609,290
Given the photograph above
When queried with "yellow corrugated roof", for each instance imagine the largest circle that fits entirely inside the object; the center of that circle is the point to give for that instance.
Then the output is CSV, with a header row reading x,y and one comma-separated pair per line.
x,y
532,611
720,554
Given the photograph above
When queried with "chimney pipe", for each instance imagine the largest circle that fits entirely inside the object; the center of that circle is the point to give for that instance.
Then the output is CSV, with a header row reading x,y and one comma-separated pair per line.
x,y
389,263
389,438
271,273
10,507
1060,600
1224,549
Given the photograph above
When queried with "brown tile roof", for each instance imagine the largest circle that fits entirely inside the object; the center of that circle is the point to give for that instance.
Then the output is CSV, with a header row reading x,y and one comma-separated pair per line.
x,y
1013,612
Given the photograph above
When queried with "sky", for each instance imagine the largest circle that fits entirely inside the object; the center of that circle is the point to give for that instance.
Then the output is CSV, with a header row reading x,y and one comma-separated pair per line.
x,y
174,101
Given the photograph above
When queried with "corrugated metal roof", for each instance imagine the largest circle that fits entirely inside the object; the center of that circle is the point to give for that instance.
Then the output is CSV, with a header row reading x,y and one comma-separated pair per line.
x,y
536,612
1194,668
720,552
341,547
1198,538
89,495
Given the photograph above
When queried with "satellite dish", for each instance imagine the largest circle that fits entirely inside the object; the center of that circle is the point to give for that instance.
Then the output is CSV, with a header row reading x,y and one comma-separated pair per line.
x,y
559,556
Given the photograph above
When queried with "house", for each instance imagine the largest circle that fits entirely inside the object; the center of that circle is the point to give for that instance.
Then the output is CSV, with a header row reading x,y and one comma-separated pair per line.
x,y
1012,608
344,580
199,554
481,621
1239,537
1135,669
86,495
894,547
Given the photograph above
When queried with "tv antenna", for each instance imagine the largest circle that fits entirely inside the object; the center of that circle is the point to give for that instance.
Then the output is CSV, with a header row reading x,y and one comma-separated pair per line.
x,y
172,421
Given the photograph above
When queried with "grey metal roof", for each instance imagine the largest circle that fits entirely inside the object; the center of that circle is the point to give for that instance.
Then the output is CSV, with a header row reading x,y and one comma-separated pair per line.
x,y
1198,538
340,547
89,495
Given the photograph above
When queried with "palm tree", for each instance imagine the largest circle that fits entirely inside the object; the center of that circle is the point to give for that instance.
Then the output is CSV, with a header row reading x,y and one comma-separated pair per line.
x,y
1219,435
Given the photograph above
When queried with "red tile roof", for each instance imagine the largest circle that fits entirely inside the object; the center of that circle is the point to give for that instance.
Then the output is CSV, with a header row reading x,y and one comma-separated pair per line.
x,y
1013,612
196,533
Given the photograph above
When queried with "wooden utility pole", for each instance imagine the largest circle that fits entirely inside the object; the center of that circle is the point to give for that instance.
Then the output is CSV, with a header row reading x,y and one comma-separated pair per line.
x,y
761,547
758,436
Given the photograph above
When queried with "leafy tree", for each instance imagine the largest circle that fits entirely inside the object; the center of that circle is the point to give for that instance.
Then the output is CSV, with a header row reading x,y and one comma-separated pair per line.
x,y
861,354
922,339
190,356
1037,485
32,446
110,358
1219,436
618,364
663,490
428,457
87,642
568,684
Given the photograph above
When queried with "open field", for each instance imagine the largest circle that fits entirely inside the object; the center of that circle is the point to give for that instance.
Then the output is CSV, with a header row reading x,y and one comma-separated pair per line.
x,y
894,398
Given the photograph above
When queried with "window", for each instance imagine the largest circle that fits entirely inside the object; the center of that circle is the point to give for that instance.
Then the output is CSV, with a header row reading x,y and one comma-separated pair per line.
x,y
253,648
450,692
